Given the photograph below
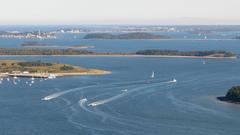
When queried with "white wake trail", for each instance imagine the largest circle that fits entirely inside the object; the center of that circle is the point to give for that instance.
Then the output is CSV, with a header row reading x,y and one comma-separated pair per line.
x,y
58,94
107,100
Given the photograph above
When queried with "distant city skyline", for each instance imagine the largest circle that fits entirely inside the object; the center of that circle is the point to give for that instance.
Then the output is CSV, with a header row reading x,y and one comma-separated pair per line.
x,y
162,12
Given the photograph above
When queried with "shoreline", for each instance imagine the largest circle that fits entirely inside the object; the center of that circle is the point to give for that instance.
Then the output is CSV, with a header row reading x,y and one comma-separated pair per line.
x,y
128,55
226,100
83,73
46,75
58,46
175,39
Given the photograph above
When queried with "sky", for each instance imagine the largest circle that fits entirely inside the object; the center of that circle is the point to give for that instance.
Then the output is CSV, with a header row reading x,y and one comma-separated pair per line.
x,y
164,12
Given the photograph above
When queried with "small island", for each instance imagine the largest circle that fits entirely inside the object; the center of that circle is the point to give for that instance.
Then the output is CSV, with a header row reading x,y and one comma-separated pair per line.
x,y
232,96
136,35
207,54
39,69
237,37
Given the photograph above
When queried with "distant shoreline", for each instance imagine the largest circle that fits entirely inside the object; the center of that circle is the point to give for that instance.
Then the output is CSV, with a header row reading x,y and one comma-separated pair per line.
x,y
175,39
226,100
128,55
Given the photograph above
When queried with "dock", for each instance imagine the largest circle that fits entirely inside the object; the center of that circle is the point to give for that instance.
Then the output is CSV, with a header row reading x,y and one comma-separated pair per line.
x,y
29,75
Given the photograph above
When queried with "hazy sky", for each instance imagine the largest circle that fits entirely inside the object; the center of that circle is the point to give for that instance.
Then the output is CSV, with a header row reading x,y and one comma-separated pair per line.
x,y
119,11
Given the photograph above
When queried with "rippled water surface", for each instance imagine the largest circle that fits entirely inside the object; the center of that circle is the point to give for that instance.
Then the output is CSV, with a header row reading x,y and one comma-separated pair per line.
x,y
126,102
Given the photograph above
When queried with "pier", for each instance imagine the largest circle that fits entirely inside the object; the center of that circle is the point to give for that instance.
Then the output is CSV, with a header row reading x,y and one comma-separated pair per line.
x,y
27,75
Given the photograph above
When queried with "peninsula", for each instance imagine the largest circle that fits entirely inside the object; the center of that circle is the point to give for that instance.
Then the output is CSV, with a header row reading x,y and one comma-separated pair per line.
x,y
43,69
141,53
232,96
135,35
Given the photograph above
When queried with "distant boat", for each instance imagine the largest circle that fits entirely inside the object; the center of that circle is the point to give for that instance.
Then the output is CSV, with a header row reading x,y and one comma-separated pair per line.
x,y
125,90
204,62
153,75
15,83
46,98
51,76
84,100
173,80
96,103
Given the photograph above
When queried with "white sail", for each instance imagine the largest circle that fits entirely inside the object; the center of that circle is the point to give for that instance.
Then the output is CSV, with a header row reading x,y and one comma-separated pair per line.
x,y
153,75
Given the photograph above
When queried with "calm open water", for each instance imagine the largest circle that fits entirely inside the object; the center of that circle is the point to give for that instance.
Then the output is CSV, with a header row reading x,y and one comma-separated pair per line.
x,y
130,103
147,107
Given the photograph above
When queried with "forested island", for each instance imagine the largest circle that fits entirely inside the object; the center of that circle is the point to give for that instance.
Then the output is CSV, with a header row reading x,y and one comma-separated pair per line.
x,y
237,37
232,96
136,35
212,53
154,53
42,69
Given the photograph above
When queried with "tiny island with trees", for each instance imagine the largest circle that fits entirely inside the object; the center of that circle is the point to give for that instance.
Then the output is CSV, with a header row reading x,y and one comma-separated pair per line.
x,y
134,35
232,96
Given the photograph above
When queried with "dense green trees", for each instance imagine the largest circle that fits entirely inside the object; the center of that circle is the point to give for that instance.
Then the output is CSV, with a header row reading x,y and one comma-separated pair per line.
x,y
185,53
136,35
38,51
66,68
34,63
233,94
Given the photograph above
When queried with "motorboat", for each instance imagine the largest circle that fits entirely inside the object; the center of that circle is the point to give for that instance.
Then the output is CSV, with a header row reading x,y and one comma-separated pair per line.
x,y
173,80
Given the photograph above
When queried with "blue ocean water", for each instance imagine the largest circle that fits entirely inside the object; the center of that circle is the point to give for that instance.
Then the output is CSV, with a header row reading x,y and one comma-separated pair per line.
x,y
182,41
129,102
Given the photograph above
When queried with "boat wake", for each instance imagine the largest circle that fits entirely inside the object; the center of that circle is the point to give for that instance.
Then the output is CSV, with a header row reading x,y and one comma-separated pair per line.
x,y
108,100
58,94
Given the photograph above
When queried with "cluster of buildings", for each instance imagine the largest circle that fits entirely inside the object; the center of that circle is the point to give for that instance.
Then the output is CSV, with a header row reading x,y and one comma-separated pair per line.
x,y
119,29
32,35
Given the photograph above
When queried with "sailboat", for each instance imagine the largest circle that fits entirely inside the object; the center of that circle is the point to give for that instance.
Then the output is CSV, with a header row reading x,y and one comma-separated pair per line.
x,y
153,75
204,62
